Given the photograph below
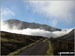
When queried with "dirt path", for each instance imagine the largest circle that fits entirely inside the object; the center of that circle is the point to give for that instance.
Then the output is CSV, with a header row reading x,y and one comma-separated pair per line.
x,y
38,49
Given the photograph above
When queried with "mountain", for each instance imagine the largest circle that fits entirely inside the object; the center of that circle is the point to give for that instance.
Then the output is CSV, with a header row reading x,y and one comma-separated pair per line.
x,y
69,36
23,25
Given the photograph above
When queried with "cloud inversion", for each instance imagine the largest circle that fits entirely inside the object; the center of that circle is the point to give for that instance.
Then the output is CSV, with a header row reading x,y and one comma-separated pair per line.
x,y
34,32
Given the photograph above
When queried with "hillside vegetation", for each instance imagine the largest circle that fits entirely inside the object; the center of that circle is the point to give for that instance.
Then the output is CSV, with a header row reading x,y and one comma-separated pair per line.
x,y
11,42
64,43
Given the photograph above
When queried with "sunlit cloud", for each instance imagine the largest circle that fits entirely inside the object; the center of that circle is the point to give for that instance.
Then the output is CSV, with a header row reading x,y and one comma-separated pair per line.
x,y
61,10
34,32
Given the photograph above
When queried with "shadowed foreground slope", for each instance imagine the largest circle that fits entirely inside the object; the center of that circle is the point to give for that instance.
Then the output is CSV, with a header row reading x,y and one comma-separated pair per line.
x,y
11,42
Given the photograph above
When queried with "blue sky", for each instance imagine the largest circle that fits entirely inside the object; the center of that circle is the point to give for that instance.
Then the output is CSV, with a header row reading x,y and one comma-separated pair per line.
x,y
59,14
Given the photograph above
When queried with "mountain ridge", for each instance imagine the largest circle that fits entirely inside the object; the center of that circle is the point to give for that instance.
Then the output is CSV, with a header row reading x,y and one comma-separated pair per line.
x,y
23,25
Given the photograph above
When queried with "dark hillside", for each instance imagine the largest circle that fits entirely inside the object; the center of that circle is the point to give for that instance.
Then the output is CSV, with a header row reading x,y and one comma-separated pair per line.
x,y
64,43
11,41
69,36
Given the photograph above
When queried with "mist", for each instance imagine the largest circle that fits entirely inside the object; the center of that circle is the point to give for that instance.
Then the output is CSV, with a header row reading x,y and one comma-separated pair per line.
x,y
34,32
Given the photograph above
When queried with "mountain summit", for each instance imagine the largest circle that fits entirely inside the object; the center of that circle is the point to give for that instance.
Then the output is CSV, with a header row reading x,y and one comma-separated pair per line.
x,y
23,25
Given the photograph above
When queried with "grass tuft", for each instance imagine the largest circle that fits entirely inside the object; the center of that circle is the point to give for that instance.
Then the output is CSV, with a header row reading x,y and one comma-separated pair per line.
x,y
50,49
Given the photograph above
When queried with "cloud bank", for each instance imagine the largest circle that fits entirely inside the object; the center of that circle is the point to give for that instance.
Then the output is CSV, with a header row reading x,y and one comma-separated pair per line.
x,y
34,32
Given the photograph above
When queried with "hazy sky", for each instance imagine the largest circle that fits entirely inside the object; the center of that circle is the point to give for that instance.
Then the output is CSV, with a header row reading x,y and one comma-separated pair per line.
x,y
59,14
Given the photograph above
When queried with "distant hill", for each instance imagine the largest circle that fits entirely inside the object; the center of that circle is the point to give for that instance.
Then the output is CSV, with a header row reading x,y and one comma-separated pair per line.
x,y
69,36
24,25
64,43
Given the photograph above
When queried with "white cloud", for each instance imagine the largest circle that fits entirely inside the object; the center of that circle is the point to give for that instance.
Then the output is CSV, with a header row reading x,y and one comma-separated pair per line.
x,y
62,10
6,13
34,32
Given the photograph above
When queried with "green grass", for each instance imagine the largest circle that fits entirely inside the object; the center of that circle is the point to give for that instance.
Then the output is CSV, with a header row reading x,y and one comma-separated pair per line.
x,y
21,49
50,49
4,39
9,40
44,40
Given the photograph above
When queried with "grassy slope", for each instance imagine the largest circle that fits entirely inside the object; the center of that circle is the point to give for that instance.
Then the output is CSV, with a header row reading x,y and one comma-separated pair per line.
x,y
64,43
11,42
